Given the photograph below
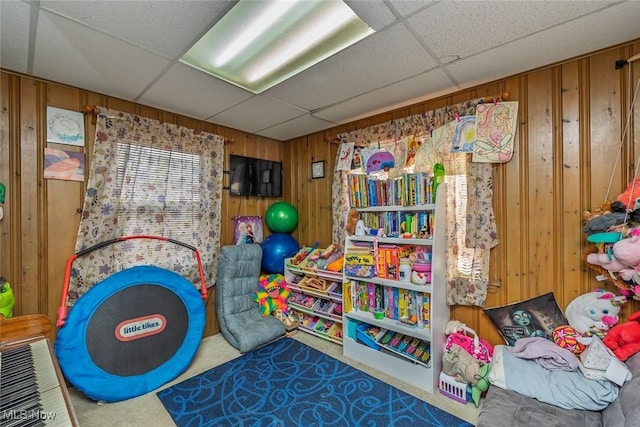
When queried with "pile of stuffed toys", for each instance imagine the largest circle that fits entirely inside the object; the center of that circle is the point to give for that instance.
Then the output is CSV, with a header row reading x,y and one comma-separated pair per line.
x,y
613,231
614,235
596,313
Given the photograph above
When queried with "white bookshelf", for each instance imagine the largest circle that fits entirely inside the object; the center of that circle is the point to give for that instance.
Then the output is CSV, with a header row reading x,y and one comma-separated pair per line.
x,y
421,375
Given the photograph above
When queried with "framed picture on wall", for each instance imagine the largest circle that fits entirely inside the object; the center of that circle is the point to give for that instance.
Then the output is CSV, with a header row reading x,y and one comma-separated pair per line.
x,y
247,230
317,169
63,164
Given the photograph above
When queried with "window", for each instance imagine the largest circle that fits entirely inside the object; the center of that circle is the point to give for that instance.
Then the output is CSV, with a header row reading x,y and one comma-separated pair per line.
x,y
158,184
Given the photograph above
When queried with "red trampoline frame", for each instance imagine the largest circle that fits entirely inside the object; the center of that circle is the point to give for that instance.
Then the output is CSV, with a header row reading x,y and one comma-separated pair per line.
x,y
63,309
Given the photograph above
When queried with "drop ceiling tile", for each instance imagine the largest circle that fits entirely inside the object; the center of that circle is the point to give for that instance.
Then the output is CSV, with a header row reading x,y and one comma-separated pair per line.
x,y
578,37
407,7
145,23
299,126
376,15
187,91
14,35
379,60
465,28
425,86
68,53
256,113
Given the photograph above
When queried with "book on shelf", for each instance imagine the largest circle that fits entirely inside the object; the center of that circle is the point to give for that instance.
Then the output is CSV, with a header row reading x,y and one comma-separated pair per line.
x,y
409,307
413,349
406,190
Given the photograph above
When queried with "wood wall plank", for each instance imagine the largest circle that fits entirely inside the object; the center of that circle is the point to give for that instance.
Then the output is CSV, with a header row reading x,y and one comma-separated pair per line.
x,y
541,202
7,153
570,172
64,201
26,286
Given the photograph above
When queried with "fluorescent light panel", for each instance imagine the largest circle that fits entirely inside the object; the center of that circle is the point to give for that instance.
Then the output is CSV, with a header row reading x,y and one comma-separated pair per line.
x,y
259,44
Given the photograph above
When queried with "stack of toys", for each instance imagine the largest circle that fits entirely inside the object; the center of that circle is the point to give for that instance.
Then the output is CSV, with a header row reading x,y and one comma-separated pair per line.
x,y
406,263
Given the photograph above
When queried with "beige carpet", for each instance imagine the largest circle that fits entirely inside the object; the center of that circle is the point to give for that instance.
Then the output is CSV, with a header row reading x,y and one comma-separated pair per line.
x,y
147,410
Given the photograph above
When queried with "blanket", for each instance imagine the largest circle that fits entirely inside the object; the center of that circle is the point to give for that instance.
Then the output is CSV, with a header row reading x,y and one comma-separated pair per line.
x,y
546,353
565,389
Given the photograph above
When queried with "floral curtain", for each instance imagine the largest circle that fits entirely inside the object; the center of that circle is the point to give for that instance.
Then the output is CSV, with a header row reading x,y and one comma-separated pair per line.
x,y
149,178
471,224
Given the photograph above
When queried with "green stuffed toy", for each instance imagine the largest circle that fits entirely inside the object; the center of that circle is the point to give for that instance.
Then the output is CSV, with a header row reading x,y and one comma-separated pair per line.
x,y
7,300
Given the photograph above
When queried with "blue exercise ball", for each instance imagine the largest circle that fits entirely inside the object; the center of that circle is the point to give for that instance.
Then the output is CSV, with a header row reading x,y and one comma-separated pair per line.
x,y
281,217
275,249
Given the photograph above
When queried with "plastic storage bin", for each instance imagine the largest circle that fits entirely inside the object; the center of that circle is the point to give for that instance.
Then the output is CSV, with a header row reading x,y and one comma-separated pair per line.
x,y
365,338
452,388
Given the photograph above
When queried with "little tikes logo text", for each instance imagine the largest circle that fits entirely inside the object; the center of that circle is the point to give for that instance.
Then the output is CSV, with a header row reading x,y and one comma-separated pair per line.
x,y
140,327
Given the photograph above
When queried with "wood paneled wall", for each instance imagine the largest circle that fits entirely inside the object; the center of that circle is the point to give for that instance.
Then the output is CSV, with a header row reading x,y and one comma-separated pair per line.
x,y
572,120
569,149
40,225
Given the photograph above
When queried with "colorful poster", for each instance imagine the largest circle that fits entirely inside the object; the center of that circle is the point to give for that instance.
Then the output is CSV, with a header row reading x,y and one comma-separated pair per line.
x,y
464,135
346,156
62,164
413,144
495,131
398,148
247,229
437,149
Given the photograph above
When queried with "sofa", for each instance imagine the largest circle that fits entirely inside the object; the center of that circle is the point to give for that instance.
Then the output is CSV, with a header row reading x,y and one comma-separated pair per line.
x,y
508,408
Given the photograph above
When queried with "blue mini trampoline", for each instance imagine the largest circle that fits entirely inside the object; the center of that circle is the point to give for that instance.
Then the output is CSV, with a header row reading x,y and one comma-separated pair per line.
x,y
131,333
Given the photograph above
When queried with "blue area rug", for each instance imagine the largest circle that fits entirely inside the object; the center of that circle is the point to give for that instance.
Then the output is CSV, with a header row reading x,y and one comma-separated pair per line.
x,y
287,383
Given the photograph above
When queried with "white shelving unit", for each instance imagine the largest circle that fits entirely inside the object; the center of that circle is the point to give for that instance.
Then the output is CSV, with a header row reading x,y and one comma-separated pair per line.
x,y
291,273
423,376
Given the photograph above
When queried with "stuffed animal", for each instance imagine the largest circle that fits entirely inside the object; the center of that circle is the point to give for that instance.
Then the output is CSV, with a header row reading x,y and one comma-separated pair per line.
x,y
624,339
272,294
604,222
627,252
7,300
418,278
604,209
594,312
615,216
631,196
623,259
352,220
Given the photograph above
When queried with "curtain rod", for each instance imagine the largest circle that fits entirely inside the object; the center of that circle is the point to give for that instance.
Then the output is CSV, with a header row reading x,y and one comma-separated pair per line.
x,y
504,97
95,110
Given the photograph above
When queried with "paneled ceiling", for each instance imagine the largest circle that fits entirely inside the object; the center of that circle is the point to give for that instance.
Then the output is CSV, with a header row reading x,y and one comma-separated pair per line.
x,y
421,49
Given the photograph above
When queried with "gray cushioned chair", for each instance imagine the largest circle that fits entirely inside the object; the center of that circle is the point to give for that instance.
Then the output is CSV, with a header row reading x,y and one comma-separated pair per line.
x,y
239,317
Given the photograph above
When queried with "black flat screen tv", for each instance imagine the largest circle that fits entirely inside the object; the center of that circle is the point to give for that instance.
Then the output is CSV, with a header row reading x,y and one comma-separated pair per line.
x,y
249,176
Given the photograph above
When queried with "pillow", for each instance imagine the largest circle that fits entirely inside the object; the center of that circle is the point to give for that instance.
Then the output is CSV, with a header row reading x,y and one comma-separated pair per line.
x,y
565,389
535,317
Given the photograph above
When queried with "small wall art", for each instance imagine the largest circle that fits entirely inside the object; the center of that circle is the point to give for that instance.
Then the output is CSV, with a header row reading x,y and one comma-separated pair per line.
x,y
495,131
62,164
317,169
247,229
346,156
65,126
